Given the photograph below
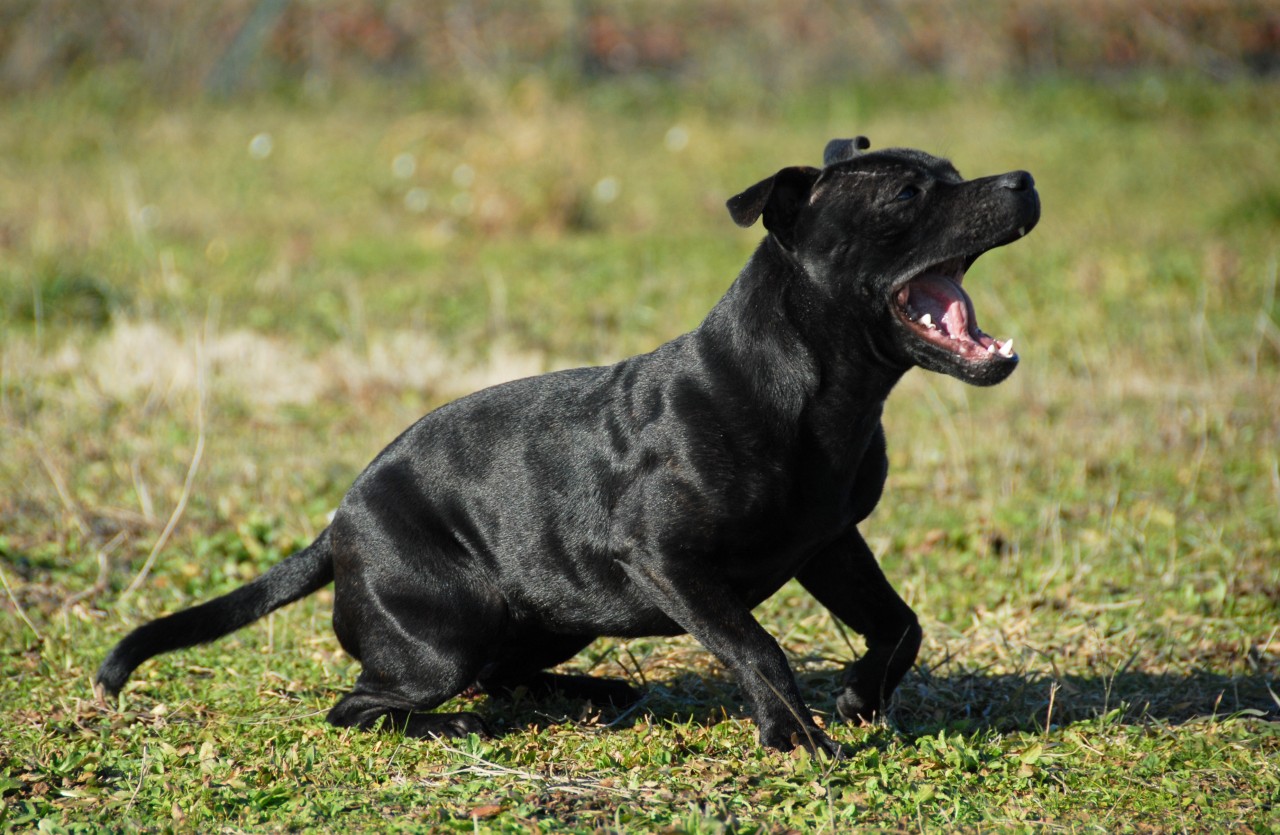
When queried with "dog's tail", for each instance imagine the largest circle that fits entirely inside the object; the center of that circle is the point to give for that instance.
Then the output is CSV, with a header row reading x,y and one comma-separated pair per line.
x,y
301,574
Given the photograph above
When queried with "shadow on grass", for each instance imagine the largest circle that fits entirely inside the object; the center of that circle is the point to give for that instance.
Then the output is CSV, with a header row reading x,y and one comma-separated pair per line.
x,y
1009,702
957,701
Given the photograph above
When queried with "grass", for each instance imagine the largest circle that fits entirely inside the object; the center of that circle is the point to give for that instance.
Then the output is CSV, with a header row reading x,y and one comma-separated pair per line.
x,y
1094,546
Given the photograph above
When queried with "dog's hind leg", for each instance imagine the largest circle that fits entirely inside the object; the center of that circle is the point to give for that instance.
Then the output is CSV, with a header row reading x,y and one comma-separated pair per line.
x,y
420,642
411,666
524,668
847,580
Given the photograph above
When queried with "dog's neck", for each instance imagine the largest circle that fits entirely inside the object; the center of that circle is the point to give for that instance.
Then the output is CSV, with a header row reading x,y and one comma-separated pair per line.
x,y
829,372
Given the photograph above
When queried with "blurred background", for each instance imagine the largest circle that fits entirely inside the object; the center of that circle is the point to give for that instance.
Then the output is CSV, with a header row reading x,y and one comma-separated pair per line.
x,y
242,45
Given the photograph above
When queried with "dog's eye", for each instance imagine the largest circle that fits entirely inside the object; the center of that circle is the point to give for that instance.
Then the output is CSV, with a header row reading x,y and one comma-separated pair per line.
x,y
907,193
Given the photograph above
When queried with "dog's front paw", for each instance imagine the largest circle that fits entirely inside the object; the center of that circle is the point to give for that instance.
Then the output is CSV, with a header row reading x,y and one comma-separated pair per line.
x,y
854,707
859,702
787,736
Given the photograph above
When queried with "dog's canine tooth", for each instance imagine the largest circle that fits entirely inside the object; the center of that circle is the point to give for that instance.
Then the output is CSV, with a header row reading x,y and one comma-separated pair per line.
x,y
1007,349
927,321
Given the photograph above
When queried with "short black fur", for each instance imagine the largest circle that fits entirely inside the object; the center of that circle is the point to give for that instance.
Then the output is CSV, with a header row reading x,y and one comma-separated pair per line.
x,y
671,492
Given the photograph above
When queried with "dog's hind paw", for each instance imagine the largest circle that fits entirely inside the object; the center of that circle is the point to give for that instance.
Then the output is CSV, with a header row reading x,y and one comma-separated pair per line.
x,y
443,725
368,711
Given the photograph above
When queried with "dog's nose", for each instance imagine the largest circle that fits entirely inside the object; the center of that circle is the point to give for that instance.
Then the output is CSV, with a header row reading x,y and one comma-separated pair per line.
x,y
1017,181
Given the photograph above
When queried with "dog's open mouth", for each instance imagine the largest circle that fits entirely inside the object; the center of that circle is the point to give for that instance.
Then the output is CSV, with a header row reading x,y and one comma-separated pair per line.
x,y
939,311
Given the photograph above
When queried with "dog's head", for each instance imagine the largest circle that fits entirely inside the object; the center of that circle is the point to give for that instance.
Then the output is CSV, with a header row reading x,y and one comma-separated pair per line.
x,y
887,237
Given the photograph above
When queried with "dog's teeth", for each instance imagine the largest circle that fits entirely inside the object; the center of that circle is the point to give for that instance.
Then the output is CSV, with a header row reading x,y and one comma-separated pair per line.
x,y
1022,230
991,349
927,321
1007,349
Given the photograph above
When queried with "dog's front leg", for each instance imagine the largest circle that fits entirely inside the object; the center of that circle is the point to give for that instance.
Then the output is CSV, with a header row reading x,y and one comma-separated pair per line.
x,y
847,580
709,611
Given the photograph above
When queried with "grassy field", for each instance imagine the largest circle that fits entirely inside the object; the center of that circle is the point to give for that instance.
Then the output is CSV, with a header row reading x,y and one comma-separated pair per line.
x,y
212,316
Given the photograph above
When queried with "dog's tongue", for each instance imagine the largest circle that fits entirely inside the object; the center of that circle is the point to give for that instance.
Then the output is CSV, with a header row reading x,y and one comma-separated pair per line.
x,y
942,300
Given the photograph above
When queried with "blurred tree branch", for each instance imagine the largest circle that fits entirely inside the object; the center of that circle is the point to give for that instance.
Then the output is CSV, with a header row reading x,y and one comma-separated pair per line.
x,y
233,67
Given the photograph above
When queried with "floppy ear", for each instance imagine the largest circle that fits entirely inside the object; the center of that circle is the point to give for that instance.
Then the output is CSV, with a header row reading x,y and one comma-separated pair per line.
x,y
778,198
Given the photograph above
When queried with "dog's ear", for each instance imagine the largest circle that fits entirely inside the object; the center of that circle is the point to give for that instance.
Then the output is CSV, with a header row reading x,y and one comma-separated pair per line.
x,y
778,198
840,150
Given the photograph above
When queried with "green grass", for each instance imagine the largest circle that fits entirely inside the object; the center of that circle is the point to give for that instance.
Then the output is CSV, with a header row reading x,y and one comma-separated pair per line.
x,y
1093,547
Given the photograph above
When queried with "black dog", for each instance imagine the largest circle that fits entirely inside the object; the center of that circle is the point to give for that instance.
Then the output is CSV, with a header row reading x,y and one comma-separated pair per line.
x,y
669,493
